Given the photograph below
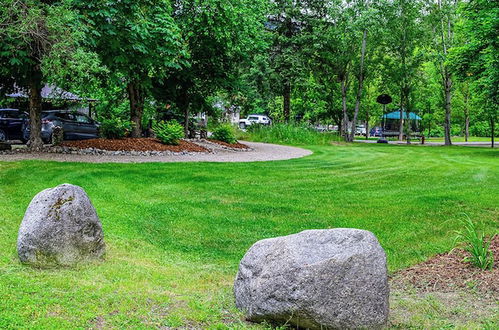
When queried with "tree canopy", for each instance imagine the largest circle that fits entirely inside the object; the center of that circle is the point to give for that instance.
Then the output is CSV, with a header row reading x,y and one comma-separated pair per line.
x,y
323,62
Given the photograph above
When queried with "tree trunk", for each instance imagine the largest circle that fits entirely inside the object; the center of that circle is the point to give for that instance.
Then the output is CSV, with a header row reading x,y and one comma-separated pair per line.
x,y
136,97
35,110
186,120
401,123
492,128
361,85
184,107
466,126
367,124
448,109
466,117
286,100
346,120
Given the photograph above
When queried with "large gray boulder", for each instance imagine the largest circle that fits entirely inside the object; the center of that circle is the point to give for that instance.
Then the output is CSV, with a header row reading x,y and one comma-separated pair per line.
x,y
60,228
317,279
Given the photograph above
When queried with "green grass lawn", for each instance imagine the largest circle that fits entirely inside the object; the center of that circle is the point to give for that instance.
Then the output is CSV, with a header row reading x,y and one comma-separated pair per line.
x,y
175,232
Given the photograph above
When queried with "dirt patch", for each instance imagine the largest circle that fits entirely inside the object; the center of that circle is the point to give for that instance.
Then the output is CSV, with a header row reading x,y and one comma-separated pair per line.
x,y
236,145
447,272
134,144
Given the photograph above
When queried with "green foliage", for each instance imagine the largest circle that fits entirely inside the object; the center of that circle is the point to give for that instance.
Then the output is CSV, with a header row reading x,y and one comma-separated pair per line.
x,y
115,128
225,133
476,244
221,37
292,134
169,132
39,42
136,40
476,60
132,38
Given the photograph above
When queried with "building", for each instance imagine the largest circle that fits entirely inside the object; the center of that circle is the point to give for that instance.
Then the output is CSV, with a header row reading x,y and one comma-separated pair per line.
x,y
54,98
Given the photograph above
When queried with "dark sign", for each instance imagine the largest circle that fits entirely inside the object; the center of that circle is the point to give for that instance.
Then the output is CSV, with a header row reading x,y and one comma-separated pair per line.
x,y
384,99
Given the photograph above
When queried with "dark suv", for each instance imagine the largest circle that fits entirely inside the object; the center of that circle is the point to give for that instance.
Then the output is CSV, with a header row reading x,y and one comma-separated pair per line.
x,y
76,126
13,125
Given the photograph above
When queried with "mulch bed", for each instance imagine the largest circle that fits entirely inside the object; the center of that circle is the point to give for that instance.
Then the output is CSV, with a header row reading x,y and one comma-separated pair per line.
x,y
134,144
447,271
236,145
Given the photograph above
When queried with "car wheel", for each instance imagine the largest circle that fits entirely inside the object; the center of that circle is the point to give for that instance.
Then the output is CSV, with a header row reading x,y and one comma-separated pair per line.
x,y
3,136
242,125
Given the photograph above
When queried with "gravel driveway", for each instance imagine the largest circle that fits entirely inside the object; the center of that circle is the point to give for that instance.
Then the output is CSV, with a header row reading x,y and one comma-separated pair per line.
x,y
261,152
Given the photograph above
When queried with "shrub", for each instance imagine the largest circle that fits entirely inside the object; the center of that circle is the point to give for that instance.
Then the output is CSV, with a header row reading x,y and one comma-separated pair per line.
x,y
225,133
169,132
474,242
115,128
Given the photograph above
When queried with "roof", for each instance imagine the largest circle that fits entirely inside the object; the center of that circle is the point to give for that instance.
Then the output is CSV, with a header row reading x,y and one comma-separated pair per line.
x,y
51,92
396,115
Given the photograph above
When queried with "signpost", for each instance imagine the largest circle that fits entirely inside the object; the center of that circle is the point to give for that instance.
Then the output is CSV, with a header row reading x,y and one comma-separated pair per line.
x,y
384,99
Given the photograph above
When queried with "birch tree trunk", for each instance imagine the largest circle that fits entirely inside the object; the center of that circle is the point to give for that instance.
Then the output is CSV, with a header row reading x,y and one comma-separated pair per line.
x,y
361,85
448,109
344,105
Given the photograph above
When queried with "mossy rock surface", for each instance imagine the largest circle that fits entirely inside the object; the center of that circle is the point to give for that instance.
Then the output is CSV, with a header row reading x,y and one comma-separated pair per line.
x,y
60,228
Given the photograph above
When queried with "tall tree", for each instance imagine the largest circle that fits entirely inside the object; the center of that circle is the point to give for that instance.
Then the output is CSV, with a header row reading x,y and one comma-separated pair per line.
x,y
341,38
442,19
287,22
219,37
34,33
477,61
403,34
136,40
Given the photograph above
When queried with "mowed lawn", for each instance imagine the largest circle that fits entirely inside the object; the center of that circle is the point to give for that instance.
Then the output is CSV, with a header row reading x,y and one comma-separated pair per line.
x,y
176,232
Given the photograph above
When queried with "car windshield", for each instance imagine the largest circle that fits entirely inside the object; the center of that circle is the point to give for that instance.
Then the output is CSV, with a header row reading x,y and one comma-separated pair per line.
x,y
83,119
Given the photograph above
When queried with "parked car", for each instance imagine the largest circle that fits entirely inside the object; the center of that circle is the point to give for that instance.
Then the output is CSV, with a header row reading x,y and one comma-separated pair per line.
x,y
376,131
75,126
13,124
360,130
254,119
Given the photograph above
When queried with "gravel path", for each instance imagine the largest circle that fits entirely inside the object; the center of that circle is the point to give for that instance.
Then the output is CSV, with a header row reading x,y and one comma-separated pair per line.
x,y
261,152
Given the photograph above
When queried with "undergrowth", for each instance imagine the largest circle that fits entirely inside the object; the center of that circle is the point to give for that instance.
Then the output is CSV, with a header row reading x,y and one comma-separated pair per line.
x,y
293,134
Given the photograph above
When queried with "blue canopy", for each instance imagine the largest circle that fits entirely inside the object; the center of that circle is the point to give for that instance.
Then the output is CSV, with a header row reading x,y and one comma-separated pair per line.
x,y
396,115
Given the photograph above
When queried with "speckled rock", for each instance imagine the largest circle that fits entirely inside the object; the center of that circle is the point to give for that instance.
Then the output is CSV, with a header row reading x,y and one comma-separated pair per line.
x,y
317,279
60,228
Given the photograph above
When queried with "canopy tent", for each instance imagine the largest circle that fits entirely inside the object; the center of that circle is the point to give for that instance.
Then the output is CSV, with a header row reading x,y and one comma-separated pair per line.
x,y
396,115
391,123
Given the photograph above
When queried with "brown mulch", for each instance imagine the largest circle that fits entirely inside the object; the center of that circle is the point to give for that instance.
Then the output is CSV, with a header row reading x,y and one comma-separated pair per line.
x,y
236,145
447,271
134,144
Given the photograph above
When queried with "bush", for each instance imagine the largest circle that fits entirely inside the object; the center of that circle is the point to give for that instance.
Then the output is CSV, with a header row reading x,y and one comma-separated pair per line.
x,y
169,132
225,133
115,128
473,242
